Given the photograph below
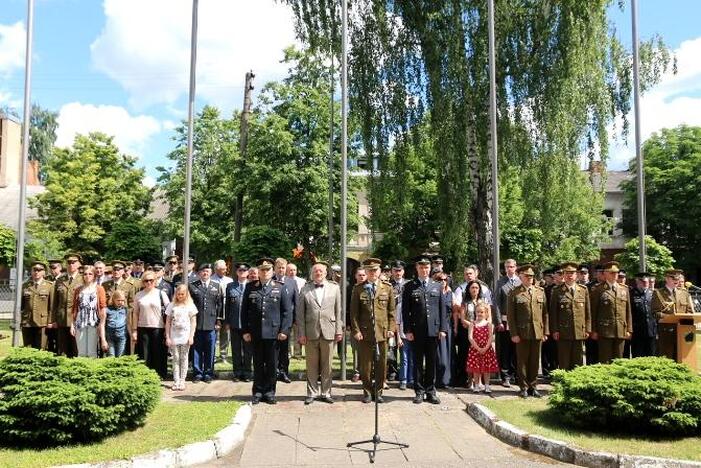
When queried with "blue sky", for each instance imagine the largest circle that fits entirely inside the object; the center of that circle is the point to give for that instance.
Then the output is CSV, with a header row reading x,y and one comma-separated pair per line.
x,y
121,66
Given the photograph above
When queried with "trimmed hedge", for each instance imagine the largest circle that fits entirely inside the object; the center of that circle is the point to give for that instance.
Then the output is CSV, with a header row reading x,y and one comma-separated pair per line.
x,y
48,400
649,395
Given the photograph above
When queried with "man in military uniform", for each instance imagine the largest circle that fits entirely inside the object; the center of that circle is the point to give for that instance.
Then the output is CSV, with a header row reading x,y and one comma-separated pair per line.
x,y
129,288
62,305
371,296
266,318
527,315
171,267
208,298
55,270
425,322
241,352
612,320
138,268
37,294
670,299
548,358
570,318
161,283
644,341
191,275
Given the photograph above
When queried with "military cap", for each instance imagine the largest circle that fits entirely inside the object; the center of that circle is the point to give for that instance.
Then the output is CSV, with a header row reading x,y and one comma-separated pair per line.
x,y
372,263
265,263
386,267
526,269
599,267
611,267
643,274
583,268
172,257
73,254
422,260
158,265
674,272
557,270
127,263
55,262
437,259
241,265
569,266
204,266
436,270
621,273
321,262
398,265
138,261
190,259
335,267
549,272
39,263
118,264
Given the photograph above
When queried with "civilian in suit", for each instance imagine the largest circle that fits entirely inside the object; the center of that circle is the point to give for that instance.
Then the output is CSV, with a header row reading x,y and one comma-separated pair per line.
x,y
241,351
283,365
506,349
223,338
207,296
161,283
320,326
266,317
644,341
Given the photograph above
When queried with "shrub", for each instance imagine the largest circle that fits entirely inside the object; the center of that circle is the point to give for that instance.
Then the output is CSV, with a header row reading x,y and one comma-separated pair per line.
x,y
48,400
648,395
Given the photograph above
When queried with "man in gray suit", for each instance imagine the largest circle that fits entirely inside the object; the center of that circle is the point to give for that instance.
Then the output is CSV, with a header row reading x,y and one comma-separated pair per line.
x,y
320,326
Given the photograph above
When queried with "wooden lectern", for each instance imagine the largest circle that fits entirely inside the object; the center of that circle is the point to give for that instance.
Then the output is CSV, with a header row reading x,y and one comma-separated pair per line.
x,y
677,338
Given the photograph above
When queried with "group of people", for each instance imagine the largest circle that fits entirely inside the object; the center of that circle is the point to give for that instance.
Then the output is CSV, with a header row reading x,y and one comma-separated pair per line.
x,y
426,332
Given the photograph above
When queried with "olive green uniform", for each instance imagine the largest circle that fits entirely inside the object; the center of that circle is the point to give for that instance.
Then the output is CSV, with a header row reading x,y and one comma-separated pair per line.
x,y
570,316
664,301
361,321
62,312
527,316
36,312
611,318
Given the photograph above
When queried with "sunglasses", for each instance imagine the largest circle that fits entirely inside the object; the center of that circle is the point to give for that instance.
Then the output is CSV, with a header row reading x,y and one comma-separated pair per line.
x,y
37,269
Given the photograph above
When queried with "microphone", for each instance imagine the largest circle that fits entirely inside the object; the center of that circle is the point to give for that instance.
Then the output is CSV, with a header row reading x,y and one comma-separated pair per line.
x,y
369,289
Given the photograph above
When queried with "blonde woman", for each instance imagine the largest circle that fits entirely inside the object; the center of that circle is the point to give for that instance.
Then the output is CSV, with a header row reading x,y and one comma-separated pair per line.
x,y
89,311
149,307
180,332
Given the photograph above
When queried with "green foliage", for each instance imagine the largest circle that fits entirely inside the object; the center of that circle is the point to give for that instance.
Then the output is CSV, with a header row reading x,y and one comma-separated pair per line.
x,y
672,167
134,239
8,246
392,246
49,400
90,188
262,241
42,136
658,257
644,395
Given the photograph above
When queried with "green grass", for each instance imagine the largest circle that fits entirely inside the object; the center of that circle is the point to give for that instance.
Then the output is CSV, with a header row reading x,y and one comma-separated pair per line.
x,y
535,417
170,425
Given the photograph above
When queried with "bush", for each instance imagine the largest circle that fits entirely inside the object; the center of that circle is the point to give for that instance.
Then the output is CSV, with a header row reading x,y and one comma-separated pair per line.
x,y
648,395
48,400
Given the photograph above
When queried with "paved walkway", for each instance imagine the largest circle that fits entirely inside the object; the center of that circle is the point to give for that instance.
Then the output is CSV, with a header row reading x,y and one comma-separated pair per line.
x,y
292,434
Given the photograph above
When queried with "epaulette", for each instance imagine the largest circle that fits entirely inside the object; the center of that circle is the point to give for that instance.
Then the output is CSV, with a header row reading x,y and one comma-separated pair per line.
x,y
386,282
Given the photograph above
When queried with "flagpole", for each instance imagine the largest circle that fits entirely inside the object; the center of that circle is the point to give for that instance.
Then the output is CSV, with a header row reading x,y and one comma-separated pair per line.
x,y
344,164
638,149
493,131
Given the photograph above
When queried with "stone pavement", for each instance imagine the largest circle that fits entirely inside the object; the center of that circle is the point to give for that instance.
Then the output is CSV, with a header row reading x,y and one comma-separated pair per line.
x,y
292,434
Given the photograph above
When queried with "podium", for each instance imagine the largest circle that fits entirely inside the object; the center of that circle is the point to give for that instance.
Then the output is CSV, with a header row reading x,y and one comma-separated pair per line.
x,y
677,338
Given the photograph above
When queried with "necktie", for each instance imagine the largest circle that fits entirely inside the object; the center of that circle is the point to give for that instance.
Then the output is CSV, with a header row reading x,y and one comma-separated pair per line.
x,y
572,289
319,285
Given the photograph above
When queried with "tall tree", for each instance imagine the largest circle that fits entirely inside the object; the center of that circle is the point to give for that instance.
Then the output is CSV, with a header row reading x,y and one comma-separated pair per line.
x,y
90,188
672,167
562,77
42,136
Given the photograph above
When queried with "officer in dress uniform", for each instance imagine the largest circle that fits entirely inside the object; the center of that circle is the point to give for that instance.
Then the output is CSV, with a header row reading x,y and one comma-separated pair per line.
x,y
426,321
191,275
644,341
241,352
612,320
37,294
570,318
62,305
368,296
207,296
527,315
266,318
670,299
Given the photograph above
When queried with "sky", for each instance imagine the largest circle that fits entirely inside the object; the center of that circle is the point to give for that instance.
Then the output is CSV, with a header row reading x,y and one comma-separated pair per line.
x,y
122,66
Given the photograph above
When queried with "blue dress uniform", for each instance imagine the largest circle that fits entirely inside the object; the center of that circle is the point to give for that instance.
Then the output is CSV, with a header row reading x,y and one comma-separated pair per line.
x,y
241,351
209,302
424,316
266,311
644,340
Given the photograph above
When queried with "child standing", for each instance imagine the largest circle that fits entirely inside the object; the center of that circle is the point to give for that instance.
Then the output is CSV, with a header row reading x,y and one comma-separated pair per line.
x,y
180,332
116,324
482,360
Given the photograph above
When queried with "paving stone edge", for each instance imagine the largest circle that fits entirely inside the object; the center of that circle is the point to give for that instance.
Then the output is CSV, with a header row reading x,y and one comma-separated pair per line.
x,y
562,451
195,453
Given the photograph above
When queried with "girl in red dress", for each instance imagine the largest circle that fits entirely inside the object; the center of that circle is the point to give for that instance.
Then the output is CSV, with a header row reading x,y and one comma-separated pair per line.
x,y
482,360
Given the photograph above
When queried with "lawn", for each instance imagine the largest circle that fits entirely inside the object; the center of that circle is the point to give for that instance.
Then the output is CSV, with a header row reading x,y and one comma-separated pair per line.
x,y
170,425
533,416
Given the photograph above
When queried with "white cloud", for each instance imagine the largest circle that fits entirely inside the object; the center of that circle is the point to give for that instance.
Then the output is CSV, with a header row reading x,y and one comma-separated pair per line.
x,y
12,45
131,133
675,101
149,181
148,52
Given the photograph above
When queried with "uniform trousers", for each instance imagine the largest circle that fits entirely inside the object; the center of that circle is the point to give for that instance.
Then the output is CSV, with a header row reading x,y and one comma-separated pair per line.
x,y
644,346
241,355
319,357
34,337
528,359
203,353
549,353
65,342
592,351
366,356
425,348
444,360
610,349
570,353
265,365
151,348
223,339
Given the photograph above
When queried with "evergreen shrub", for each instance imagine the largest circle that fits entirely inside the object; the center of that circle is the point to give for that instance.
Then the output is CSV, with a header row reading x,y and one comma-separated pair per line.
x,y
649,395
48,400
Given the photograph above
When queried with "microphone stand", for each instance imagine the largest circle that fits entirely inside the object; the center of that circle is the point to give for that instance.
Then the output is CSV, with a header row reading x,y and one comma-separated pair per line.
x,y
376,439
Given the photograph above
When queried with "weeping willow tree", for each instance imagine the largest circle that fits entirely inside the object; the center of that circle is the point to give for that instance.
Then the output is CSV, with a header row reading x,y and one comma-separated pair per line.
x,y
562,78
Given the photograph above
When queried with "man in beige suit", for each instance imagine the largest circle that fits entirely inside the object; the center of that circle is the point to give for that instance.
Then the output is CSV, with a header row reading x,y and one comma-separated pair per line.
x,y
320,326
